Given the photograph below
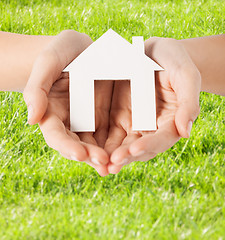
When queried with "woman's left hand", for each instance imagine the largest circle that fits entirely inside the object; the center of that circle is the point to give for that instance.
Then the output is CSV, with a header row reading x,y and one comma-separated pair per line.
x,y
177,104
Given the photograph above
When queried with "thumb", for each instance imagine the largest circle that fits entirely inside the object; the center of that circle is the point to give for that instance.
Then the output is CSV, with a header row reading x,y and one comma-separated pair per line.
x,y
187,92
185,80
38,86
37,102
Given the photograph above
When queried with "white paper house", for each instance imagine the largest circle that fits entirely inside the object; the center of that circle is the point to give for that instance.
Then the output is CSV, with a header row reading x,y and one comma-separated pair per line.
x,y
111,57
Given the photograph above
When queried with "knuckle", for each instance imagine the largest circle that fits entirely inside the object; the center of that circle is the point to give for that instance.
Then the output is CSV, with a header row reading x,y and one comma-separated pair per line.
x,y
75,36
68,32
73,33
152,39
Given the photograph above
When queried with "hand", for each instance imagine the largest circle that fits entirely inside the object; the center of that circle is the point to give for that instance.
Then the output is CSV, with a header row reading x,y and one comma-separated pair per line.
x,y
177,103
47,98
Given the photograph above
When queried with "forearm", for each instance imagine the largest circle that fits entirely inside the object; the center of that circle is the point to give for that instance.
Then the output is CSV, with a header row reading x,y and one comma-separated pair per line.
x,y
208,53
17,54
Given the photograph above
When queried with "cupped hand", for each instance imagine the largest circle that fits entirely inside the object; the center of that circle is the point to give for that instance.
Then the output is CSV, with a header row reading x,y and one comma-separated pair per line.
x,y
47,98
177,104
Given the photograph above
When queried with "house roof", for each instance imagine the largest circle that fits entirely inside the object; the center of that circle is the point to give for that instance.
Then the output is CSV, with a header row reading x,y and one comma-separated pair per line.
x,y
112,44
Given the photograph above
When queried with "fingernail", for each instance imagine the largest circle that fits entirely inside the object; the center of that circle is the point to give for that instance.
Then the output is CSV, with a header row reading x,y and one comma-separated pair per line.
x,y
30,112
95,161
74,158
189,127
139,153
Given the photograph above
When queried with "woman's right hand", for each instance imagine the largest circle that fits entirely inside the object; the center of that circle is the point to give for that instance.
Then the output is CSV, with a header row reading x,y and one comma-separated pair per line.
x,y
47,97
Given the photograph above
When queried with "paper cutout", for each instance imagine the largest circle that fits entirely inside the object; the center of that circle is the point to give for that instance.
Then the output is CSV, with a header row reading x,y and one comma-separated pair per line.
x,y
111,57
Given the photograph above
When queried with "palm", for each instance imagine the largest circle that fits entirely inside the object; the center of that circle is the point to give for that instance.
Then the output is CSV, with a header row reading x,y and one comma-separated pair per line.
x,y
50,101
121,135
166,103
177,96
56,124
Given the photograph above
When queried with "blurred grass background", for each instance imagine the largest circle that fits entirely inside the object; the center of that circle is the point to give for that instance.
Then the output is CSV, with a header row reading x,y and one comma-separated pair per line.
x,y
178,195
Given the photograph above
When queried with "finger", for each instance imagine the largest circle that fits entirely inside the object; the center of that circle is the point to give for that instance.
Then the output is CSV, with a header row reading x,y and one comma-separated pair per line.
x,y
143,157
103,96
96,154
97,157
164,138
114,169
100,136
115,139
187,90
122,154
57,138
185,79
101,169
38,86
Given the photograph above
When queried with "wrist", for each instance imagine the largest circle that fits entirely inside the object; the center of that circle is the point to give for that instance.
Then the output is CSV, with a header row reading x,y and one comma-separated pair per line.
x,y
18,52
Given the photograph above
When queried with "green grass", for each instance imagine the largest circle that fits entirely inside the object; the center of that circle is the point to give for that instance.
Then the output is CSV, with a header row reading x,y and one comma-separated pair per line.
x,y
178,195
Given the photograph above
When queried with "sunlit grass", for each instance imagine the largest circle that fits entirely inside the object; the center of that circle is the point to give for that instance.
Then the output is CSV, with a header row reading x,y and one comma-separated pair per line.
x,y
178,195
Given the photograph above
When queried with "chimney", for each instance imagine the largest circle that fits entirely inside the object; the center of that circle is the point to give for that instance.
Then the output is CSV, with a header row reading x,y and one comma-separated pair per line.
x,y
138,43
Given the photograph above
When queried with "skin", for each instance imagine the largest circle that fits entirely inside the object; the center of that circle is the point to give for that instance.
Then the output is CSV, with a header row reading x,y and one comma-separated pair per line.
x,y
176,111
208,54
187,72
83,147
47,98
46,92
18,52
